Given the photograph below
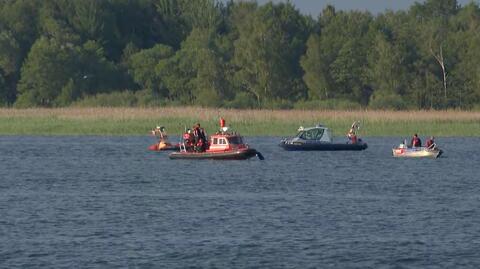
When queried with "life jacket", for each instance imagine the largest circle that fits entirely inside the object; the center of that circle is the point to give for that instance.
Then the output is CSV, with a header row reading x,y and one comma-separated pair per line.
x,y
429,143
416,142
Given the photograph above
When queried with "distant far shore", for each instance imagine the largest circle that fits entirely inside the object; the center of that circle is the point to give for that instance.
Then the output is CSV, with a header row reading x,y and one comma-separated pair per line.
x,y
139,121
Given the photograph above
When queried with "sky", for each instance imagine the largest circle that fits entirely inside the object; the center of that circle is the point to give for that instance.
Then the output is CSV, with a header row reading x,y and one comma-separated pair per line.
x,y
314,7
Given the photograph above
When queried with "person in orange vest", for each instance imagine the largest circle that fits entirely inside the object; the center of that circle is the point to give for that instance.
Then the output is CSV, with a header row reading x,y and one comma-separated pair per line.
x,y
222,123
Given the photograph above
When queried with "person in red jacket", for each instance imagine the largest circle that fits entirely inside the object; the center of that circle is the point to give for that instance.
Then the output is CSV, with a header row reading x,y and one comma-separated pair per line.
x,y
352,136
416,142
188,140
352,133
430,143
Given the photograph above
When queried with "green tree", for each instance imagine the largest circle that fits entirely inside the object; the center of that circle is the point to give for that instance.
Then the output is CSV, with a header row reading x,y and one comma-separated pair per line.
x,y
337,57
19,17
3,91
433,18
268,50
47,69
196,74
10,62
238,54
209,84
316,70
464,89
93,72
95,20
53,23
90,19
179,17
54,69
18,31
142,66
347,72
385,66
203,14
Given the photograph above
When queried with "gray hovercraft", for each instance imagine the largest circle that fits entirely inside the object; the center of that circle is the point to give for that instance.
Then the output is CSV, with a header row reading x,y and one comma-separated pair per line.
x,y
320,138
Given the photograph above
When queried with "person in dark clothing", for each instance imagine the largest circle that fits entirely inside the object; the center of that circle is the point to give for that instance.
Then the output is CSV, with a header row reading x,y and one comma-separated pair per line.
x,y
196,136
416,142
200,138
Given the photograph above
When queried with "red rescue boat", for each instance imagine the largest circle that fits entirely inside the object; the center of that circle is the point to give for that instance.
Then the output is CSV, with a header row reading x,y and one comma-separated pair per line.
x,y
223,145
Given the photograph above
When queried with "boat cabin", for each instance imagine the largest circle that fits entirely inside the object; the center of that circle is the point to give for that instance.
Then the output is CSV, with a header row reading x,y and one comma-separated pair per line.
x,y
318,133
225,142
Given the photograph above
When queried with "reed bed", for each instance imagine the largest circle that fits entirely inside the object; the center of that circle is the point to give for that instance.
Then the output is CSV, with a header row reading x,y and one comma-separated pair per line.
x,y
137,121
235,114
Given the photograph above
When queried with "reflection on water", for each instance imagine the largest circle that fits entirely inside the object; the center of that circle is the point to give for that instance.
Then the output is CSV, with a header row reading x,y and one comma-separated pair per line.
x,y
108,202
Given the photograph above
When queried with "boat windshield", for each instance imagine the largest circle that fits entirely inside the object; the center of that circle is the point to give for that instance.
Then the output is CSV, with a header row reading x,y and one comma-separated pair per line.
x,y
236,140
312,134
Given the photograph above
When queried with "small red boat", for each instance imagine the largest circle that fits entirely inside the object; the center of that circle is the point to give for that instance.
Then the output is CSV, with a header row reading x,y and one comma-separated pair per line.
x,y
162,146
222,146
162,143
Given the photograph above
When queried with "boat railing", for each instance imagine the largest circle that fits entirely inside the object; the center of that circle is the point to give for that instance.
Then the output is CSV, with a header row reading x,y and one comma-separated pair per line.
x,y
183,148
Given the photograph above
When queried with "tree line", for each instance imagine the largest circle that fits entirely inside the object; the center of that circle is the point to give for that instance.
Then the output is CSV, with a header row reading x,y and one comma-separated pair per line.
x,y
238,54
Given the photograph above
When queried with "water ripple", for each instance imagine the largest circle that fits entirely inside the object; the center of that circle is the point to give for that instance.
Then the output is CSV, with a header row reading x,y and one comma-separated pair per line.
x,y
107,202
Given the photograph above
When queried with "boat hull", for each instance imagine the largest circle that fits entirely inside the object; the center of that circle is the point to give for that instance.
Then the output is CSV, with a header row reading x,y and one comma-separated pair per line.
x,y
416,153
242,154
323,146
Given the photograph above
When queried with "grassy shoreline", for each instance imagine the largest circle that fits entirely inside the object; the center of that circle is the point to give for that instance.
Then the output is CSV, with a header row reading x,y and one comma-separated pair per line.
x,y
138,121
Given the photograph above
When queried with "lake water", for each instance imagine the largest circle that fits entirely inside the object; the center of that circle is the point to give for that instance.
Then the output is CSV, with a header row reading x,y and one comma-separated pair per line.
x,y
107,202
